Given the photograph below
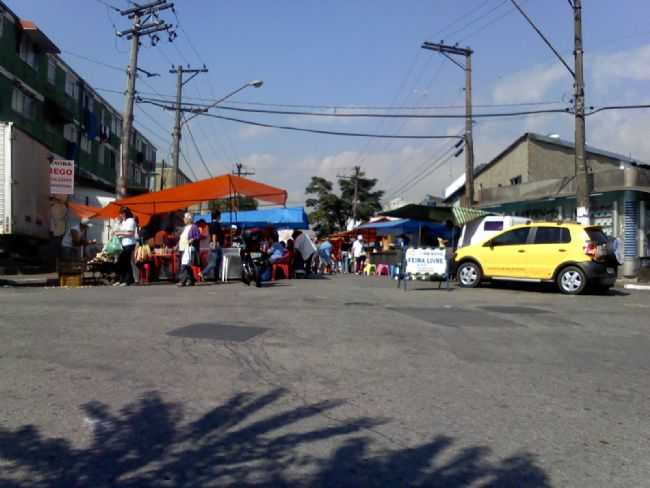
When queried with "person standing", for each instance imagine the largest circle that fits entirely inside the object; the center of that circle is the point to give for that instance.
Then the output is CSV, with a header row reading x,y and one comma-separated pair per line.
x,y
188,244
217,240
74,240
126,231
359,254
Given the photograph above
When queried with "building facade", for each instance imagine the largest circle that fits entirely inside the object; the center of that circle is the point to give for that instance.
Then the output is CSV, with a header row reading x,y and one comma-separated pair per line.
x,y
47,100
535,177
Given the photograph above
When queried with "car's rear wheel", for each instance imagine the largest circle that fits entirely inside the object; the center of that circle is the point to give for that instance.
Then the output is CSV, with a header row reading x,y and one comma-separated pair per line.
x,y
572,280
469,275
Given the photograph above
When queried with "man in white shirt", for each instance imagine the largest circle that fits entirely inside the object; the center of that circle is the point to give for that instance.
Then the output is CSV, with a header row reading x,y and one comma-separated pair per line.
x,y
359,254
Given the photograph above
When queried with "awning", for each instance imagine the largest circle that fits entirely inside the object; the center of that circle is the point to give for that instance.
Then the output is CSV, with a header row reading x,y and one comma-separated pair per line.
x,y
173,199
83,211
458,215
401,226
280,218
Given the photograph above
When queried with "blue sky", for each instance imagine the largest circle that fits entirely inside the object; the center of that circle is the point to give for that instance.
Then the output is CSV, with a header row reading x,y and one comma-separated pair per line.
x,y
366,52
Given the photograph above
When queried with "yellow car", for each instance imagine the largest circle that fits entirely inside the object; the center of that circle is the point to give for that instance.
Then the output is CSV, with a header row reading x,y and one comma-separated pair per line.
x,y
569,254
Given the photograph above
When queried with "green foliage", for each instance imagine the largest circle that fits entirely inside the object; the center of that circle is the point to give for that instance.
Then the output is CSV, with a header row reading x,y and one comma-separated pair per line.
x,y
241,203
330,212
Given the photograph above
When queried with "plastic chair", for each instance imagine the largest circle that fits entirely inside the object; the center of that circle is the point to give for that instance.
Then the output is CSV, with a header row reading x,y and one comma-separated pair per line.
x,y
283,266
383,270
370,269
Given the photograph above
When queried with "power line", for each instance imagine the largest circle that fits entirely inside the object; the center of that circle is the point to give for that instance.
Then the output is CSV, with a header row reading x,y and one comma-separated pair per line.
x,y
90,60
617,107
154,101
108,5
328,132
472,22
196,146
189,166
460,19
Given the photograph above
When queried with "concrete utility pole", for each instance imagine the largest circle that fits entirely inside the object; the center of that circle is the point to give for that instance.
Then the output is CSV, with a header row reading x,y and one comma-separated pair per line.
x,y
447,51
583,187
355,198
582,175
145,23
177,125
355,195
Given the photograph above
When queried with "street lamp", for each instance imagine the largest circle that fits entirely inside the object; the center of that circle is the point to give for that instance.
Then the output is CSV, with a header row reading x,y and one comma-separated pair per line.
x,y
254,84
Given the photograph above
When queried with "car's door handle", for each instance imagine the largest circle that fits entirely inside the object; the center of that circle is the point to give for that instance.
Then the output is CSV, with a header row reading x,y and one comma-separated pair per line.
x,y
561,250
521,250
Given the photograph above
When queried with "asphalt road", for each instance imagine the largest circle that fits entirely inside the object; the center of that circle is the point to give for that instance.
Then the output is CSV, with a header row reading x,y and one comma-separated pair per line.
x,y
344,382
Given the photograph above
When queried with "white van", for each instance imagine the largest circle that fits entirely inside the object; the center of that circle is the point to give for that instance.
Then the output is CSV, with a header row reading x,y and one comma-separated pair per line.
x,y
482,229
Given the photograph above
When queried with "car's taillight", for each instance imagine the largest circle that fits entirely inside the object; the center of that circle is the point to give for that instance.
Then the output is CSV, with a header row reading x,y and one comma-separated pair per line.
x,y
590,248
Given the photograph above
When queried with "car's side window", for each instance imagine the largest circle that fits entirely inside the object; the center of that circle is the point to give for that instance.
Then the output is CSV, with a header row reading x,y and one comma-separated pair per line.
x,y
552,235
512,238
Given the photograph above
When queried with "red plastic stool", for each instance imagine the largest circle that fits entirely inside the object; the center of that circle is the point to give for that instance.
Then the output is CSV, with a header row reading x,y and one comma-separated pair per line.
x,y
145,273
196,271
283,266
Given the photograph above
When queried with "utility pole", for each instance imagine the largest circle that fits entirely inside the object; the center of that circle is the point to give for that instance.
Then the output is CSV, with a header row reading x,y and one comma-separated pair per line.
x,y
179,71
583,187
240,170
355,195
146,22
582,175
448,51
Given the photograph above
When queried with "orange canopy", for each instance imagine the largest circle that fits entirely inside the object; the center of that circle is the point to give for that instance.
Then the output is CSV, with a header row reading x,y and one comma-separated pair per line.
x,y
179,197
83,211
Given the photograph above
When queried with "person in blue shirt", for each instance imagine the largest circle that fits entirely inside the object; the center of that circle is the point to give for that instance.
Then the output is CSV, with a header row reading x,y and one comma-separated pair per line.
x,y
325,255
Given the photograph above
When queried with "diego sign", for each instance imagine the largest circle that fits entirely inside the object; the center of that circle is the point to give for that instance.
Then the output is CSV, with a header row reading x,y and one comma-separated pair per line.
x,y
431,261
61,177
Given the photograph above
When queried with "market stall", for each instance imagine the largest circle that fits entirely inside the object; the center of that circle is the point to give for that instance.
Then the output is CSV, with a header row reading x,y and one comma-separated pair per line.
x,y
279,218
433,262
171,200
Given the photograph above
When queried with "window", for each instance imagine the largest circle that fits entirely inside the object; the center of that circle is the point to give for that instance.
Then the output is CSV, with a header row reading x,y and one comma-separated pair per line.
x,y
552,235
27,53
23,103
2,23
597,236
100,155
71,86
70,133
493,225
516,180
86,145
515,237
51,70
111,159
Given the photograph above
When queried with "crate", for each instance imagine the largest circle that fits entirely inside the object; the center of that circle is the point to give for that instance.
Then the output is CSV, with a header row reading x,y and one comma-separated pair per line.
x,y
71,279
67,266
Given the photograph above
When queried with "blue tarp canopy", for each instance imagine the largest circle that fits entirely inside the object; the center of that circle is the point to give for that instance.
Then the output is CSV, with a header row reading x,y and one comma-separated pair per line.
x,y
280,218
402,226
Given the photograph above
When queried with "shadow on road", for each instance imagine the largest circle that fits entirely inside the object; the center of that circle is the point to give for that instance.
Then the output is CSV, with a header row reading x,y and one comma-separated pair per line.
x,y
238,444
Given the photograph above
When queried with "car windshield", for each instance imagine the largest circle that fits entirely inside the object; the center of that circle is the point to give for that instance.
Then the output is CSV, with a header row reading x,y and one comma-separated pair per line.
x,y
596,235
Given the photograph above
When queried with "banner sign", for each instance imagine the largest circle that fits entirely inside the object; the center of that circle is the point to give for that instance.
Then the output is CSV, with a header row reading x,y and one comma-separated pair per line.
x,y
61,177
430,261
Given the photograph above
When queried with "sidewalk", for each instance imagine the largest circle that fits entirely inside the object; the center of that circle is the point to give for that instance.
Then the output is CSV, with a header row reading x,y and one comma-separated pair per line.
x,y
39,279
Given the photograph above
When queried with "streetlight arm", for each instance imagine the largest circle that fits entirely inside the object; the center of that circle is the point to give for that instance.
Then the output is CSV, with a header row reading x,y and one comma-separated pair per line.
x,y
198,112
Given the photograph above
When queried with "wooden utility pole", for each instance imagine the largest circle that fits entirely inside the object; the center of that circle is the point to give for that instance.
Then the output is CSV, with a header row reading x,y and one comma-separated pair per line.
x,y
145,23
448,51
355,198
176,134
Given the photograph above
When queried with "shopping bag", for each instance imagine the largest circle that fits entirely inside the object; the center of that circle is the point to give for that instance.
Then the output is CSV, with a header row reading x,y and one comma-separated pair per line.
x,y
114,246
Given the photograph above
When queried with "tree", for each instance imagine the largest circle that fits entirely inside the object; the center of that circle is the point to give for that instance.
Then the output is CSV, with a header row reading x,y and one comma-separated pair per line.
x,y
331,212
326,216
240,203
368,201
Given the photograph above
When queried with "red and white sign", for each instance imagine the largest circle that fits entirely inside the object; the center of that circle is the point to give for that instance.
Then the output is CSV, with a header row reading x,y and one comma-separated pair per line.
x,y
61,177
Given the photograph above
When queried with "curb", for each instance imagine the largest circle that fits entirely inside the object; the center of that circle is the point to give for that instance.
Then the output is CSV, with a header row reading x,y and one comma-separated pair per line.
x,y
637,287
